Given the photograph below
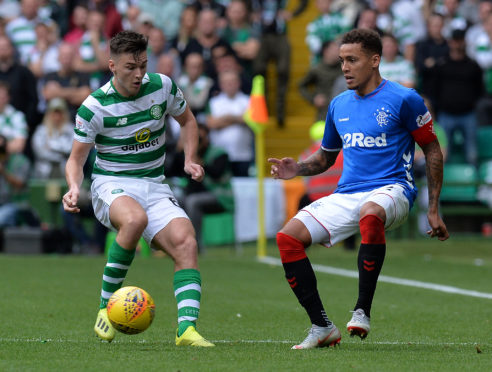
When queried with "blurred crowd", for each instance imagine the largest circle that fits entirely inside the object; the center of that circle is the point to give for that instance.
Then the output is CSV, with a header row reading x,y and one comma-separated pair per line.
x,y
53,53
441,48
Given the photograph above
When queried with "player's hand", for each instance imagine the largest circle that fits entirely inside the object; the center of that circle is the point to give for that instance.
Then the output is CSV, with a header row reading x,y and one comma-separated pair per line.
x,y
195,170
70,200
285,168
438,228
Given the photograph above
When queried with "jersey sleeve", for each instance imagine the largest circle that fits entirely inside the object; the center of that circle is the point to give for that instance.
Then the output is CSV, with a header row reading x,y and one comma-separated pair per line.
x,y
85,125
331,138
176,101
417,119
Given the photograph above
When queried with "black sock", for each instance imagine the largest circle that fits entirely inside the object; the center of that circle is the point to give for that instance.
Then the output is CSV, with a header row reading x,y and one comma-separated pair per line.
x,y
369,261
301,278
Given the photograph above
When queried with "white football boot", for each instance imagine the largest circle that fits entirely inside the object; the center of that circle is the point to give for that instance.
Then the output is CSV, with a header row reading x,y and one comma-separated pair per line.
x,y
359,325
320,337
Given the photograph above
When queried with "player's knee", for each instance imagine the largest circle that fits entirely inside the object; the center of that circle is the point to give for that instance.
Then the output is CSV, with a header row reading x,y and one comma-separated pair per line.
x,y
372,229
136,221
374,209
185,243
184,250
290,248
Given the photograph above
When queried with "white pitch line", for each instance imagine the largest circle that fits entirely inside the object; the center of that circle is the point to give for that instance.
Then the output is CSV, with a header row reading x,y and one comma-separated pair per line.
x,y
387,279
345,341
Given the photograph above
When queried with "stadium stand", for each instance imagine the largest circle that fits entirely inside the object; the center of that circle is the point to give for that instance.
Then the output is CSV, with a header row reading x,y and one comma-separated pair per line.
x,y
484,143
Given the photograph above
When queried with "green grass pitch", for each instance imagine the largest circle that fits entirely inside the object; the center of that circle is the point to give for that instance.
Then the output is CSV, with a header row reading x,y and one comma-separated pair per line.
x,y
49,305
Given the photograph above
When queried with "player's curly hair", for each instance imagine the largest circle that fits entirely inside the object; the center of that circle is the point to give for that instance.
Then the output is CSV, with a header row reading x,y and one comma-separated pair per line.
x,y
369,39
128,42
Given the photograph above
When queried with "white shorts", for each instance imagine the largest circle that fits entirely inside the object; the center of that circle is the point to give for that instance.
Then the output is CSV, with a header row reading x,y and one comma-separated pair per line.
x,y
335,217
156,199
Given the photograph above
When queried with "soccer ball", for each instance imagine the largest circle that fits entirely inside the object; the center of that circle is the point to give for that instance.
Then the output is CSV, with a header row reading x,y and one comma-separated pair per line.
x,y
131,310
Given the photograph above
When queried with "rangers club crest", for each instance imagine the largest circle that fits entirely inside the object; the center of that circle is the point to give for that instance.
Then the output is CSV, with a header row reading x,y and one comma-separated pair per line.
x,y
382,116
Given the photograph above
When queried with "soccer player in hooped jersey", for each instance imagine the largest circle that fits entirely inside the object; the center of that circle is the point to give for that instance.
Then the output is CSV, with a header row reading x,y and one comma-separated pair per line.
x,y
125,120
377,123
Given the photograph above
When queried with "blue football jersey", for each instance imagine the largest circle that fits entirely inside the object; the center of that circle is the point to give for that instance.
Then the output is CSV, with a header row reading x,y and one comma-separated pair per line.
x,y
377,133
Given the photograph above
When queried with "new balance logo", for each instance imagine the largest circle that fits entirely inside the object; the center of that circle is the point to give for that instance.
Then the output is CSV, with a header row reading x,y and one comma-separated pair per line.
x,y
343,119
121,121
361,140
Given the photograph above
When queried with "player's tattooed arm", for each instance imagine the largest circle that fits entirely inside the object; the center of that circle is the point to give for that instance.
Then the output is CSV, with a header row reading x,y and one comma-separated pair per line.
x,y
317,163
434,171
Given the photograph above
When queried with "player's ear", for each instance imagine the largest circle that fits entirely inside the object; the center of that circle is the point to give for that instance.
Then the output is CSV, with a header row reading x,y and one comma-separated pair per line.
x,y
111,65
376,59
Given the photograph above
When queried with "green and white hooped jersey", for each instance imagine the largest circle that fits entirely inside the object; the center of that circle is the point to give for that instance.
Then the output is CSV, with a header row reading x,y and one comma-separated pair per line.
x,y
129,132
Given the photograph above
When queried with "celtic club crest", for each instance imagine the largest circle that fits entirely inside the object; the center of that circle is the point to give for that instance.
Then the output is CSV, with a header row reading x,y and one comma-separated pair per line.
x,y
156,112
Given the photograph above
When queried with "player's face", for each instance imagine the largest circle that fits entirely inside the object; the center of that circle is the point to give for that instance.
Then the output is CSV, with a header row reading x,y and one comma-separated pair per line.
x,y
128,70
359,68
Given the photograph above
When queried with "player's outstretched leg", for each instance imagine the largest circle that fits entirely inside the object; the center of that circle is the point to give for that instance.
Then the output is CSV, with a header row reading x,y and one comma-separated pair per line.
x,y
119,260
369,261
359,325
300,276
187,289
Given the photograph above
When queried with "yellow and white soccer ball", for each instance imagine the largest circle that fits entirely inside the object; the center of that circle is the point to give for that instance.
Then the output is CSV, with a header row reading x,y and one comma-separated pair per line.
x,y
131,310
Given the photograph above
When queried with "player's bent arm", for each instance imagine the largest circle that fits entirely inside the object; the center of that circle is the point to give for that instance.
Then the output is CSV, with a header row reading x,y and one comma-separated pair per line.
x,y
74,173
317,163
189,133
74,170
434,172
189,139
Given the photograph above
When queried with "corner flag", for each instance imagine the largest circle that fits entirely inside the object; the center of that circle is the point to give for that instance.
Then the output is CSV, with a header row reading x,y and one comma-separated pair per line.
x,y
256,116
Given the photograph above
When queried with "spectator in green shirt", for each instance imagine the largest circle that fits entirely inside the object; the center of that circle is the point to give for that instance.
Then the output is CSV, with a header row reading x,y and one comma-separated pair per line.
x,y
14,174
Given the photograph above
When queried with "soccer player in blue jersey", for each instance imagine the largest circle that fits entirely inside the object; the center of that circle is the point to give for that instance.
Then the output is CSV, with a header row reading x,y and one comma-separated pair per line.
x,y
377,123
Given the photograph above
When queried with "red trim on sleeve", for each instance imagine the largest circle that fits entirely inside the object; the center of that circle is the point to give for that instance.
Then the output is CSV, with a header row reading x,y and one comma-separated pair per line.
x,y
424,134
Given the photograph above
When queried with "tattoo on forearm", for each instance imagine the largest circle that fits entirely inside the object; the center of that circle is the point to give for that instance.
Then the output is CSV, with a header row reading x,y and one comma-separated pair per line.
x,y
434,170
317,163
310,169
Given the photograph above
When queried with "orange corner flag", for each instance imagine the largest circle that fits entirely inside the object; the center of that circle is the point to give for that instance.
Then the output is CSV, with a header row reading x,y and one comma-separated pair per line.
x,y
256,116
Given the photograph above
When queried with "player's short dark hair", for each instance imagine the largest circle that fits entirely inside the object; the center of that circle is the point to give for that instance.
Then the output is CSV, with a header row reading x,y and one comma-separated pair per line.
x,y
369,40
128,42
